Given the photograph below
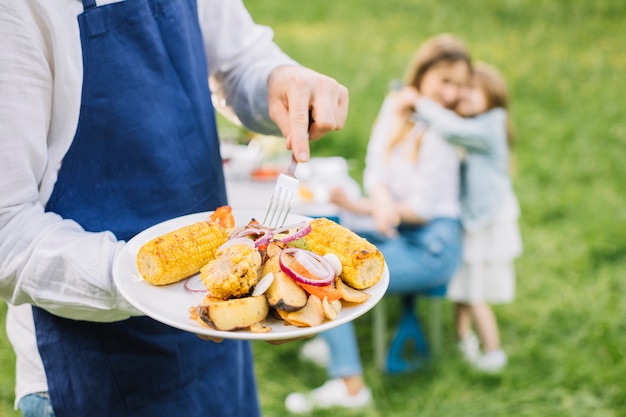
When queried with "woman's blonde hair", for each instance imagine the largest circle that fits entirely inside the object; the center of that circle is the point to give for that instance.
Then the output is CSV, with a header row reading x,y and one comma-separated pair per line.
x,y
493,85
438,49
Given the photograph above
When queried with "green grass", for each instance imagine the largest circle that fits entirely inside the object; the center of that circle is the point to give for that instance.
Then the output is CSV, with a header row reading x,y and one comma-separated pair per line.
x,y
565,332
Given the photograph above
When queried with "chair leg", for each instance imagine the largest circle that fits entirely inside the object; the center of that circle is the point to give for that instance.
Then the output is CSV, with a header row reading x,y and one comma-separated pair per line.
x,y
435,326
379,334
408,346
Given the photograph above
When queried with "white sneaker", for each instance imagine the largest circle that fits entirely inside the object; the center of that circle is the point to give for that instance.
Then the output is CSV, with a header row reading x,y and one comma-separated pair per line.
x,y
332,394
317,351
492,362
469,347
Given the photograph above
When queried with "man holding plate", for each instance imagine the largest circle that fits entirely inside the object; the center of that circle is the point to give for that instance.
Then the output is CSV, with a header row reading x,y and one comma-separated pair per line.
x,y
108,128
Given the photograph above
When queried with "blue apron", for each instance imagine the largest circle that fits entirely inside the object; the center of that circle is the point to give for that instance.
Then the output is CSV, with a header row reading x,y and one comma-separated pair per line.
x,y
145,150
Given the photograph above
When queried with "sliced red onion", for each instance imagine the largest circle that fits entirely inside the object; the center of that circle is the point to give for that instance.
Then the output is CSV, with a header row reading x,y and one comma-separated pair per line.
x,y
301,229
314,266
265,239
195,285
263,284
250,230
327,276
260,235
237,241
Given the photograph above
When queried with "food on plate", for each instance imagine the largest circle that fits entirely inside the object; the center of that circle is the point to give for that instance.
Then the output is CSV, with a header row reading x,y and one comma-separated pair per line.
x,y
223,216
302,273
232,314
362,262
331,308
181,253
233,272
312,314
350,294
284,293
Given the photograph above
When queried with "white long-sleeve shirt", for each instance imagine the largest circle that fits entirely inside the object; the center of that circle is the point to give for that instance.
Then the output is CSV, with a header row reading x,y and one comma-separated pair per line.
x,y
44,259
428,184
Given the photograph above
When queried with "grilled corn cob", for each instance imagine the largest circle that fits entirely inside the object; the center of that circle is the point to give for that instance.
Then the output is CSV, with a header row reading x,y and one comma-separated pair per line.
x,y
233,273
180,253
362,262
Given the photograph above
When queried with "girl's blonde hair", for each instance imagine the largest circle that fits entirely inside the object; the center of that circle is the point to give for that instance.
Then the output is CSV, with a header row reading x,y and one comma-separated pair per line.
x,y
438,49
493,85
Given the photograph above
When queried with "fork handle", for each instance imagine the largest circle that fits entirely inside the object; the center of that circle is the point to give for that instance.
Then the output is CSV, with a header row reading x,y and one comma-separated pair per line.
x,y
291,170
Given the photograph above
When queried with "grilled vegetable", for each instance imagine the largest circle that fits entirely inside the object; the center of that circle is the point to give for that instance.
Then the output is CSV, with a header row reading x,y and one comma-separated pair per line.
x,y
178,254
233,273
312,314
237,313
362,262
283,293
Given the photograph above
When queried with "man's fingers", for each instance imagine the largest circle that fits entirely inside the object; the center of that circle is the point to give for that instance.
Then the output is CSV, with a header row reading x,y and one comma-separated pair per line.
x,y
297,95
211,338
329,111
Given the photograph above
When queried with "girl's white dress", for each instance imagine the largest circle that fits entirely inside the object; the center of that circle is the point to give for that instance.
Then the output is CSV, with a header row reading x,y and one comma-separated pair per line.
x,y
488,270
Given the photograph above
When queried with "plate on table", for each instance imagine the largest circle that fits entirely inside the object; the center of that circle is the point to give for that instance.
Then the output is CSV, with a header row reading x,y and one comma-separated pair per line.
x,y
170,304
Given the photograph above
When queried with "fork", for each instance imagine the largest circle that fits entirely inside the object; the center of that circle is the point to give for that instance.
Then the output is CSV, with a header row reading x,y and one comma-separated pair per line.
x,y
284,193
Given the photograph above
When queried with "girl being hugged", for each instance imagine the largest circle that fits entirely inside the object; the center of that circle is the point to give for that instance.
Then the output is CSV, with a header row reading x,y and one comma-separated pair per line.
x,y
490,211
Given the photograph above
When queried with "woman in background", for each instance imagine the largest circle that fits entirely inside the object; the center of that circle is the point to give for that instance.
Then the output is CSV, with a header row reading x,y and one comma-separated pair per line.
x,y
412,182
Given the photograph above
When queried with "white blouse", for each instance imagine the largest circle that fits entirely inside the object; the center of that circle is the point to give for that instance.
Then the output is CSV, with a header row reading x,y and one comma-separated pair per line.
x,y
428,184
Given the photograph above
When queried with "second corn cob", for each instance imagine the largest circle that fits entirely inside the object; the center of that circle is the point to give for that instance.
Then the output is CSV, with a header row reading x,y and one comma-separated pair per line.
x,y
178,254
363,264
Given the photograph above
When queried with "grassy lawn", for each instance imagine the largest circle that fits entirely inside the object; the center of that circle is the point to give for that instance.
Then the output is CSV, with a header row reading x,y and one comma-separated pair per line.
x,y
565,333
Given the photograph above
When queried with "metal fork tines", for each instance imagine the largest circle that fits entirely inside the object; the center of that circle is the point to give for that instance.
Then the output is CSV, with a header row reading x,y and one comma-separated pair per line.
x,y
282,198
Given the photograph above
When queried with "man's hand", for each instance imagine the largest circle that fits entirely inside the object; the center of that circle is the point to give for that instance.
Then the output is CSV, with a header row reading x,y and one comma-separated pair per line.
x,y
296,94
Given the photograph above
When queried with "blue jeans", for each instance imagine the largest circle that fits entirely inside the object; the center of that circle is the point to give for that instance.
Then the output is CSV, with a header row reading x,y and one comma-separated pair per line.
x,y
421,257
418,258
36,405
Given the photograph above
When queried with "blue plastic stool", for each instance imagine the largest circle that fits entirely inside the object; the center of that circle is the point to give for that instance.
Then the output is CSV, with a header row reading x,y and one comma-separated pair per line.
x,y
409,348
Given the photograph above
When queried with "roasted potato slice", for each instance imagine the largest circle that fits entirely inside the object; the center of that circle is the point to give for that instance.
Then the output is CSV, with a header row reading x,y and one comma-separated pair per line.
x,y
312,314
233,314
350,294
331,308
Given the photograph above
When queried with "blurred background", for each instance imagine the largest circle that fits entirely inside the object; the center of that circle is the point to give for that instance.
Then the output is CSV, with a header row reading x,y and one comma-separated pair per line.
x,y
564,61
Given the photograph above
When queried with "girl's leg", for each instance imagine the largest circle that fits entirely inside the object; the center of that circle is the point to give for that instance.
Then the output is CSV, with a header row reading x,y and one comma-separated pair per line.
x,y
487,326
463,320
468,344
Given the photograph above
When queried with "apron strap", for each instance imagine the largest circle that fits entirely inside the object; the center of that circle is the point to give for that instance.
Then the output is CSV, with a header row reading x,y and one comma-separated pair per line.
x,y
89,4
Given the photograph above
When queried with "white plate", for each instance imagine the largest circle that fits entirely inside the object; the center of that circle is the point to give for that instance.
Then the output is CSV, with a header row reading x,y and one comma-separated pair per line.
x,y
170,304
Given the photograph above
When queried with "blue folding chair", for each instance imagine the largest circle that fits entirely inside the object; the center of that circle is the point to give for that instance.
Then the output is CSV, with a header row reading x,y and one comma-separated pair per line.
x,y
409,347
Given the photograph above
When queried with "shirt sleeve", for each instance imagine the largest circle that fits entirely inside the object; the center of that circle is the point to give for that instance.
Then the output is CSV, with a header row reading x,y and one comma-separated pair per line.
x,y
240,54
44,260
476,134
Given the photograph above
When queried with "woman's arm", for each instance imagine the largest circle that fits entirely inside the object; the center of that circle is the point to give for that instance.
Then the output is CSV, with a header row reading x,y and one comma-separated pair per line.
x,y
361,206
477,134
